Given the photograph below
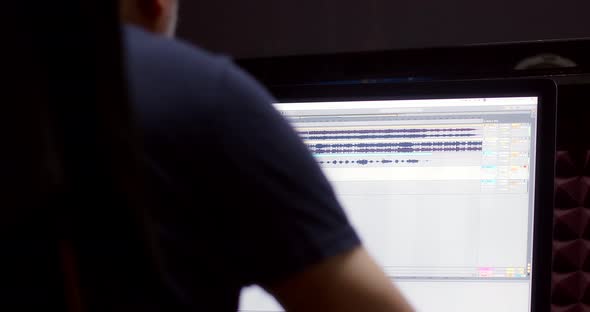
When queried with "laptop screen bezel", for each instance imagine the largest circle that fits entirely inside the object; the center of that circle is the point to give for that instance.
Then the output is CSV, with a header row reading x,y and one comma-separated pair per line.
x,y
544,89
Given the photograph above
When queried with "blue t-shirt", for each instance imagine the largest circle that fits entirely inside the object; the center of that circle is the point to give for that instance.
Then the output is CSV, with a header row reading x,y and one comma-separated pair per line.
x,y
239,198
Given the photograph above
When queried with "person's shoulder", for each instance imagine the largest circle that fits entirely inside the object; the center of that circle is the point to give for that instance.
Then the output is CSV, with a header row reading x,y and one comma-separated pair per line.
x,y
172,77
167,59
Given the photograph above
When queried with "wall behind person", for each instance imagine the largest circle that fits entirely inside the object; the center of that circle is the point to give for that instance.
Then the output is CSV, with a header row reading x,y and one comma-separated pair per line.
x,y
261,28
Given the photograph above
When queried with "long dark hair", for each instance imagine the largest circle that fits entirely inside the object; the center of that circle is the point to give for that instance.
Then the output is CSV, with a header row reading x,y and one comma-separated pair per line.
x,y
75,213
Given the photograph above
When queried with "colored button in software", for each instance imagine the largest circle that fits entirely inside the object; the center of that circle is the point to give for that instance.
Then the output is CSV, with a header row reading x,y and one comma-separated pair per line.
x,y
510,272
486,272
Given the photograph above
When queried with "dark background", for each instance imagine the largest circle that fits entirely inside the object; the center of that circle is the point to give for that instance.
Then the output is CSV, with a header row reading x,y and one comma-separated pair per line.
x,y
261,28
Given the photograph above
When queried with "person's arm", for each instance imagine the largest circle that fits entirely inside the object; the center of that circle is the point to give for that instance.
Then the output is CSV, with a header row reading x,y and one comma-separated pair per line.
x,y
294,239
350,282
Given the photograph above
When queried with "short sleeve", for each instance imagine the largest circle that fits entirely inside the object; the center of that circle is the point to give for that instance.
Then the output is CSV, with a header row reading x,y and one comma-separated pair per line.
x,y
284,213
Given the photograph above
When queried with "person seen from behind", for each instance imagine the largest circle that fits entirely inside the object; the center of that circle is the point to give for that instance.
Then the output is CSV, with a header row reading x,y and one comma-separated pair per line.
x,y
239,199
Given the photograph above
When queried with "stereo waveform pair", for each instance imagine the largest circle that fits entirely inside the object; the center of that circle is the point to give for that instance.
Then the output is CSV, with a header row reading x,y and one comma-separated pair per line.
x,y
395,150
387,136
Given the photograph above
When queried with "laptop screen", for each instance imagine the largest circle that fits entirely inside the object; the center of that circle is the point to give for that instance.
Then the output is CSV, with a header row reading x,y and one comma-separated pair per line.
x,y
441,191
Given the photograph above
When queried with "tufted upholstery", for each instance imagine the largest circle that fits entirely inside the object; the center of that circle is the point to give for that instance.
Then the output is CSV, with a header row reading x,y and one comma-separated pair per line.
x,y
571,244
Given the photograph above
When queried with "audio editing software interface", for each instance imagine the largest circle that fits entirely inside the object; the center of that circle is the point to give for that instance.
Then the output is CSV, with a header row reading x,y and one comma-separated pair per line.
x,y
439,190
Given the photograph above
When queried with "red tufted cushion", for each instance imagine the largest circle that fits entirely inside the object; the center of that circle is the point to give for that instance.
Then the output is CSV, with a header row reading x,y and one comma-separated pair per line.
x,y
571,246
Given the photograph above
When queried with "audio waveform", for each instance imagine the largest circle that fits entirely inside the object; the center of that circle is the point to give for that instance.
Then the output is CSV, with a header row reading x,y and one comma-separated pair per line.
x,y
387,136
366,131
396,150
367,162
393,144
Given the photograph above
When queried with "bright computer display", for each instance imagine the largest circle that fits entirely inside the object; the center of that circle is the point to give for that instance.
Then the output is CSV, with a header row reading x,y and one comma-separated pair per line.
x,y
441,192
